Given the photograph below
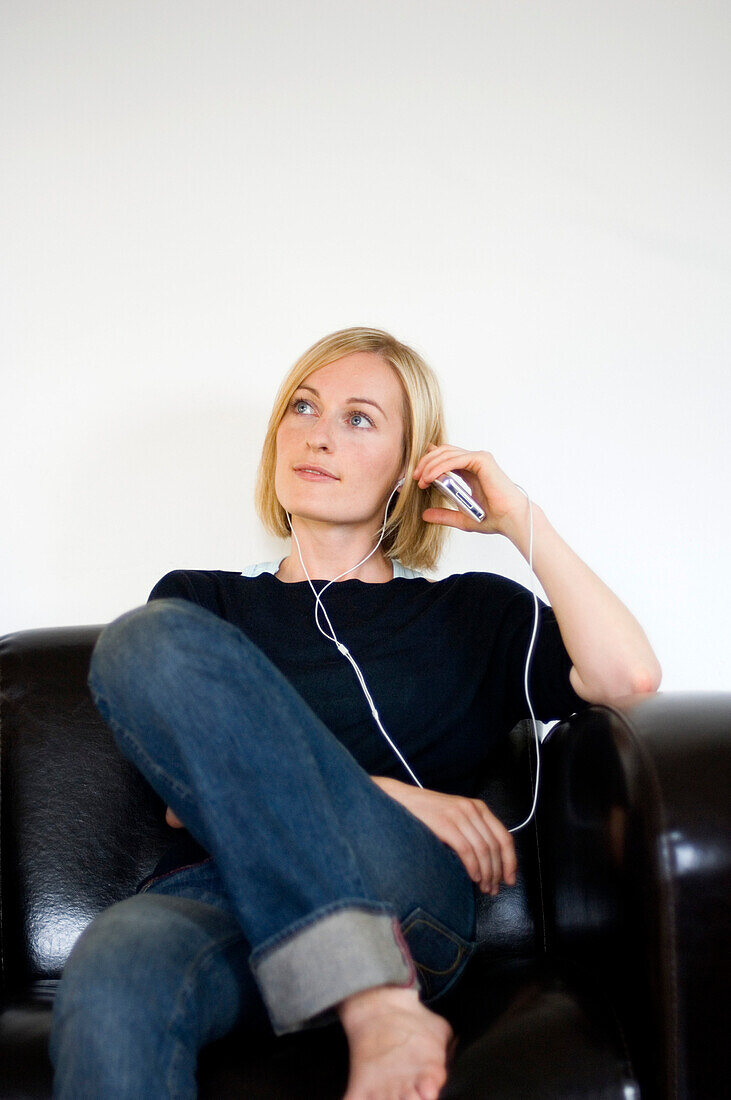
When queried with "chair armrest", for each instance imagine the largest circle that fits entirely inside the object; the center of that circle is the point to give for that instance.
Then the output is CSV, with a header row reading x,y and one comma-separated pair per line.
x,y
80,826
635,853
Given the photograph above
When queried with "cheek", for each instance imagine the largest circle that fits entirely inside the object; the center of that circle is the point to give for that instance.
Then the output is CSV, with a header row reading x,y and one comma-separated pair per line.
x,y
282,432
284,439
283,452
374,470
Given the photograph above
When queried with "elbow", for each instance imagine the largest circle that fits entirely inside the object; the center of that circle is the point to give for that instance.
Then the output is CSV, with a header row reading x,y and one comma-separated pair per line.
x,y
647,681
643,681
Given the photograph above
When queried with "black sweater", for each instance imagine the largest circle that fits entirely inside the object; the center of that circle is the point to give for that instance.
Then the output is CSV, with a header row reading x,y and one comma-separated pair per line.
x,y
444,662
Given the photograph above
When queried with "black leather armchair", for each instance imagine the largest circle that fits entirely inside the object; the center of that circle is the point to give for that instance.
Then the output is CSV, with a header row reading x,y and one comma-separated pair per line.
x,y
602,973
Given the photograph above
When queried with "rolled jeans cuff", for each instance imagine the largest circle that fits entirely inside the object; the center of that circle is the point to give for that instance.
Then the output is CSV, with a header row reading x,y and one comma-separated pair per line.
x,y
317,962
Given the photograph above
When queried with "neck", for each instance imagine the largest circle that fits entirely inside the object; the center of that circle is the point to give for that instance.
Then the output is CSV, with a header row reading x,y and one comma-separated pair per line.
x,y
327,555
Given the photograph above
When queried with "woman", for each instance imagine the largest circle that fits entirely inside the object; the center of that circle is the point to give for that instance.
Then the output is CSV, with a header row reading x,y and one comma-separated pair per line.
x,y
313,881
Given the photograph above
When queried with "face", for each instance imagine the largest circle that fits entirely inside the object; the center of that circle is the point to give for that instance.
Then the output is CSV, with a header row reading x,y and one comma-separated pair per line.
x,y
346,421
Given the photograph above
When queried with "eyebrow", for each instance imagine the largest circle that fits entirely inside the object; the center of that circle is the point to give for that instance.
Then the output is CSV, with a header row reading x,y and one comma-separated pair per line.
x,y
349,400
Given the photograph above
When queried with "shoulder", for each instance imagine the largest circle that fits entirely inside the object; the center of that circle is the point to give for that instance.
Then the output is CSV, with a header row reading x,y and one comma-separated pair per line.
x,y
488,594
492,584
192,583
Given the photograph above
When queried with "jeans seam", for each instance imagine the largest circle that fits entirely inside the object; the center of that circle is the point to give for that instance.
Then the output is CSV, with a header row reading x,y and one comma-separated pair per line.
x,y
196,966
175,870
406,952
184,792
262,950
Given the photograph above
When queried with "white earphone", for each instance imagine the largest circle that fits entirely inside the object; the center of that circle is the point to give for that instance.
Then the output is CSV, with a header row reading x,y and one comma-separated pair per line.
x,y
346,652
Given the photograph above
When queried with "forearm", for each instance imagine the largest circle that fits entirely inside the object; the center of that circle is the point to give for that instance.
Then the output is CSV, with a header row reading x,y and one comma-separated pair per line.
x,y
384,782
608,647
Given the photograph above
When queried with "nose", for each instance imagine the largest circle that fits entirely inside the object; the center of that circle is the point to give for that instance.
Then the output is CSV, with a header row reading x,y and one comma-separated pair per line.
x,y
319,436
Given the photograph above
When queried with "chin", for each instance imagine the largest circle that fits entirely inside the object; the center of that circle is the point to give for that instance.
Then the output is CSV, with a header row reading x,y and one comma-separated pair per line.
x,y
308,500
319,511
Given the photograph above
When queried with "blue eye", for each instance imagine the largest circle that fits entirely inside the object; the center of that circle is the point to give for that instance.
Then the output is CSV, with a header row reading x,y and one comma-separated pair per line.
x,y
300,407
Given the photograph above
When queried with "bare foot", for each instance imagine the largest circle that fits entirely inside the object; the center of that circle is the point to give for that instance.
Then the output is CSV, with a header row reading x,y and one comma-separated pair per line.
x,y
398,1047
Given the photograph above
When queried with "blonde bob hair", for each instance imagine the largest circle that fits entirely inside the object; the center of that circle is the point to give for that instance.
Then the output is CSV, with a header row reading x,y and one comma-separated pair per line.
x,y
408,538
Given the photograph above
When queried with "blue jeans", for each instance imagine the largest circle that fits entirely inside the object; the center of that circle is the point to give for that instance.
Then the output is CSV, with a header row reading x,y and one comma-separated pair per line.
x,y
318,883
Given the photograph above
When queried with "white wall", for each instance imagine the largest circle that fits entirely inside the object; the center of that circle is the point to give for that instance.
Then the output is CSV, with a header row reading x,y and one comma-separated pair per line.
x,y
534,195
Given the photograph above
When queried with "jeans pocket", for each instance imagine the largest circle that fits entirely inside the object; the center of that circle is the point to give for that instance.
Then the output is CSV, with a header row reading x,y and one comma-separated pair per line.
x,y
439,953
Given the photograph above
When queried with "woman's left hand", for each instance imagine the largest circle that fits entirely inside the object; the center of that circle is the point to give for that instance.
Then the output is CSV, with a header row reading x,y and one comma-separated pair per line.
x,y
498,496
466,825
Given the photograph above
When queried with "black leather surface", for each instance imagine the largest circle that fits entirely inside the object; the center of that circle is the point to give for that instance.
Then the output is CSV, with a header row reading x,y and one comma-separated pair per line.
x,y
593,972
524,1032
79,824
636,857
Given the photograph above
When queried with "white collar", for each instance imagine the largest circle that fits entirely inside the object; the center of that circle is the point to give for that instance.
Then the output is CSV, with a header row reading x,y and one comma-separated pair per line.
x,y
399,570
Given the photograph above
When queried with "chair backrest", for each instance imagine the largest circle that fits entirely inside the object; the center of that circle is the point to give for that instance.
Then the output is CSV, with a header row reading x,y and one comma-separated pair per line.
x,y
80,826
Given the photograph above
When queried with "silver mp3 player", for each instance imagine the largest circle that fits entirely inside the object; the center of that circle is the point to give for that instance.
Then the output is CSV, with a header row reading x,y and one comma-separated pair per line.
x,y
456,489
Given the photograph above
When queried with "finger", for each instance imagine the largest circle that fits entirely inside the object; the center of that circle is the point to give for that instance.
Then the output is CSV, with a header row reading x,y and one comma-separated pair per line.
x,y
448,517
506,843
474,855
436,464
510,859
486,846
490,845
437,455
499,840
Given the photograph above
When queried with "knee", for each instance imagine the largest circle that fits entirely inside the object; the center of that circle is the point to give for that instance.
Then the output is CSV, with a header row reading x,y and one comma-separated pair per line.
x,y
133,645
99,975
114,992
143,959
126,953
106,953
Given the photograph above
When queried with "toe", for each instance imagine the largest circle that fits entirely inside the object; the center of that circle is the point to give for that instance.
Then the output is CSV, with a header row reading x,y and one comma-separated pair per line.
x,y
427,1087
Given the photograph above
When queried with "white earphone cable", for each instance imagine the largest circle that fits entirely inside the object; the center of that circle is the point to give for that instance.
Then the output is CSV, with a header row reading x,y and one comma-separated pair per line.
x,y
522,825
319,606
343,649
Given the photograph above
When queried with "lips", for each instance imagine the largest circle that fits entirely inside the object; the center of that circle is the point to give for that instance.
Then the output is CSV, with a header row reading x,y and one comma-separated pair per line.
x,y
314,472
